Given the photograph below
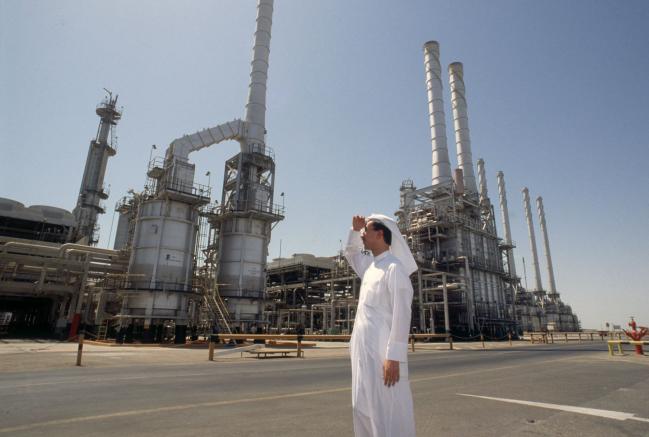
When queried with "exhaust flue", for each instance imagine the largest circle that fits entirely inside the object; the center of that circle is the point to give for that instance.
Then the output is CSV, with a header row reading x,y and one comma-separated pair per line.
x,y
256,106
461,125
530,230
504,211
482,179
441,163
546,246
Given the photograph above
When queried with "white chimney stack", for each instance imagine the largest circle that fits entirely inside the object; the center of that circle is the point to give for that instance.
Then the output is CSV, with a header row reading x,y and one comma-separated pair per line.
x,y
482,179
530,230
441,163
461,125
546,246
256,106
504,211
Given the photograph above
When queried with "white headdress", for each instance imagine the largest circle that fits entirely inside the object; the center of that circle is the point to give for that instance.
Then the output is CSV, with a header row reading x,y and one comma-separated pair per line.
x,y
399,248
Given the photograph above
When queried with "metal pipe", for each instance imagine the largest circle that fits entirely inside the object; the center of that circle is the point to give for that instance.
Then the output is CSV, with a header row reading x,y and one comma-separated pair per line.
x,y
447,324
440,161
530,230
256,106
546,245
504,211
461,125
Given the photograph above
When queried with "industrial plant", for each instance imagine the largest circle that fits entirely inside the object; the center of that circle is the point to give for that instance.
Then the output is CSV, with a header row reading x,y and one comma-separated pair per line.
x,y
185,263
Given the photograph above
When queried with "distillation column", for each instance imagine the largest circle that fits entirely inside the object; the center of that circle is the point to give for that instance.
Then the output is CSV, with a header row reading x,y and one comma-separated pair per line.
x,y
248,211
91,192
538,288
440,160
504,211
552,292
461,125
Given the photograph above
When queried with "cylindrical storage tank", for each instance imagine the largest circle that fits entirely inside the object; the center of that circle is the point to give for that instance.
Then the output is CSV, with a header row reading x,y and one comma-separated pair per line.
x,y
121,234
241,265
163,246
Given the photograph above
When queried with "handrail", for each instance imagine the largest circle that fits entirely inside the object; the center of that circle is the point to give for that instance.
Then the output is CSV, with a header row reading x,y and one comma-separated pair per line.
x,y
315,337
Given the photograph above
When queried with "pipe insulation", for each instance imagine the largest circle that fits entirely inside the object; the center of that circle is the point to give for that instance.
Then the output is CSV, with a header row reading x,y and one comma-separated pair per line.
x,y
461,125
440,160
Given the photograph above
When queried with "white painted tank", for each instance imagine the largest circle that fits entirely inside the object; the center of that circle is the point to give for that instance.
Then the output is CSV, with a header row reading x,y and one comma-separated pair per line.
x,y
243,257
163,245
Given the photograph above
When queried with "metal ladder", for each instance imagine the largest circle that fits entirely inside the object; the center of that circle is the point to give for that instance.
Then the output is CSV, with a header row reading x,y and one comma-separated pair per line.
x,y
102,331
217,307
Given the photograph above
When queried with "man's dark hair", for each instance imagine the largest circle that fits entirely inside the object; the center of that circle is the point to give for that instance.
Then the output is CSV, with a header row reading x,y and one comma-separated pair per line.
x,y
387,234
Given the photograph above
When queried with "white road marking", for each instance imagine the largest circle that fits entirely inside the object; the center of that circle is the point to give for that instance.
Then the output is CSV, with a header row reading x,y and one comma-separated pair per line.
x,y
609,414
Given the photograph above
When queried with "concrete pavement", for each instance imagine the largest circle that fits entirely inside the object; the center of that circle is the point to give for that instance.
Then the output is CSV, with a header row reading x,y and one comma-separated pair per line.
x,y
171,392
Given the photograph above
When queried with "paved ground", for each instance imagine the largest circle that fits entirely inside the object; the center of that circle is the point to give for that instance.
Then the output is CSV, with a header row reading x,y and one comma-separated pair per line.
x,y
176,392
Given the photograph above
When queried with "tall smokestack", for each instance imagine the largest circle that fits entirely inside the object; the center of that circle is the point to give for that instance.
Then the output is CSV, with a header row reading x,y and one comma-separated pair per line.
x,y
256,106
504,211
461,125
482,178
546,247
530,230
441,163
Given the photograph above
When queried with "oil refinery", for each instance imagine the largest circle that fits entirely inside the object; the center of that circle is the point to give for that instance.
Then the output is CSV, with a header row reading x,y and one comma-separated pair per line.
x,y
185,262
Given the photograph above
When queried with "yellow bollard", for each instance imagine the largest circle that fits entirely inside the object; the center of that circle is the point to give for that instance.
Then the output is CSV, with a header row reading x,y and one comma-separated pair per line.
x,y
619,348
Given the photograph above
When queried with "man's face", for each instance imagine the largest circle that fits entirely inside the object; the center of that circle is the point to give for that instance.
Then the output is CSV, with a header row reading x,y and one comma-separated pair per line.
x,y
371,237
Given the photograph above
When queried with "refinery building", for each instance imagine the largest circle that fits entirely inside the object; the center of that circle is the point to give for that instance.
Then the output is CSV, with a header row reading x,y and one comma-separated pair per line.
x,y
187,261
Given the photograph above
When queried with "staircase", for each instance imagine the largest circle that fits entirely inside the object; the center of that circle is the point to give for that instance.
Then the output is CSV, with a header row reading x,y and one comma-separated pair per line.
x,y
214,304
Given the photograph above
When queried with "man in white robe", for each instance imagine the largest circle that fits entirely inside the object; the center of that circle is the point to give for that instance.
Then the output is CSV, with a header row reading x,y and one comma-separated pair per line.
x,y
381,397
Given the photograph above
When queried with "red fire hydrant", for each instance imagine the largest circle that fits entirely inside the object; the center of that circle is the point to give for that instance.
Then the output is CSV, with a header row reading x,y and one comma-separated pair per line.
x,y
637,335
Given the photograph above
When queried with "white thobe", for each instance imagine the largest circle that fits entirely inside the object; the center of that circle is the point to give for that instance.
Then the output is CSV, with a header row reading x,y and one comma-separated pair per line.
x,y
380,332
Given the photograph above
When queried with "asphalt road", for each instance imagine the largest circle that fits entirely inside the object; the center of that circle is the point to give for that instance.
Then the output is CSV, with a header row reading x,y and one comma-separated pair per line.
x,y
294,397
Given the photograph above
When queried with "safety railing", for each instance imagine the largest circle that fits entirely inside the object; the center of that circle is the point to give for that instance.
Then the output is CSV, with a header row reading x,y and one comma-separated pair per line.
x,y
565,337
619,343
215,338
